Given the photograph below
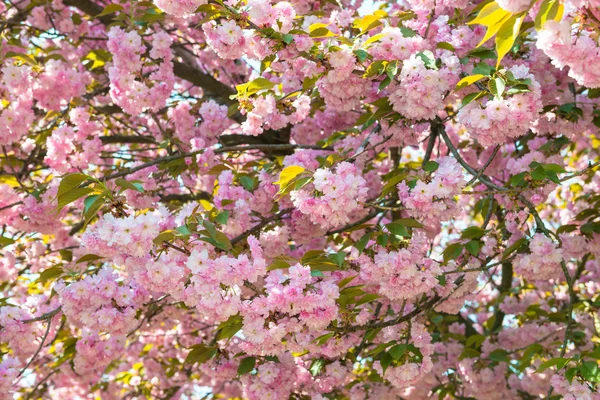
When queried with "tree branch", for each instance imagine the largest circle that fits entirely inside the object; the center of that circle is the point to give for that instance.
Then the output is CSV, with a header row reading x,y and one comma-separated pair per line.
x,y
258,227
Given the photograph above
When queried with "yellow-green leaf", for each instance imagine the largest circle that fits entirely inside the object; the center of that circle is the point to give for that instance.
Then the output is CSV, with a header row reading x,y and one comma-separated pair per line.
x,y
287,174
489,15
507,35
110,9
549,10
469,80
369,22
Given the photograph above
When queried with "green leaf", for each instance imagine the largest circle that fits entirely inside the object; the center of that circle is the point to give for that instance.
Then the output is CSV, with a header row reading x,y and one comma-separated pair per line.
x,y
385,361
468,353
397,229
452,252
50,273
570,374
246,365
4,241
361,54
367,298
164,237
559,362
321,340
409,222
397,351
472,232
430,166
227,329
321,33
554,168
89,201
473,247
518,179
475,341
497,86
374,69
346,281
92,205
538,173
445,46
70,182
300,183
110,9
472,97
222,218
316,366
129,185
484,68
88,258
200,354
428,58
407,32
71,196
499,355
513,248
590,371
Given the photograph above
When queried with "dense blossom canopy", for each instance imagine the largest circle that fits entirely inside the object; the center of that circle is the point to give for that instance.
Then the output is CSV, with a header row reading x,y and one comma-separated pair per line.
x,y
303,199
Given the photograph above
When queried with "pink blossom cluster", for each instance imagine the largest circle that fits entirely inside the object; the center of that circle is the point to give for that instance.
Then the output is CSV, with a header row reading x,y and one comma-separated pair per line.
x,y
216,283
70,150
160,276
16,85
279,16
344,97
119,238
420,93
137,95
410,373
496,121
572,391
334,198
179,8
457,295
94,354
57,84
304,305
274,380
21,336
483,382
9,370
576,51
514,6
99,302
543,263
226,39
400,275
431,201
203,134
395,46
39,213
265,112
